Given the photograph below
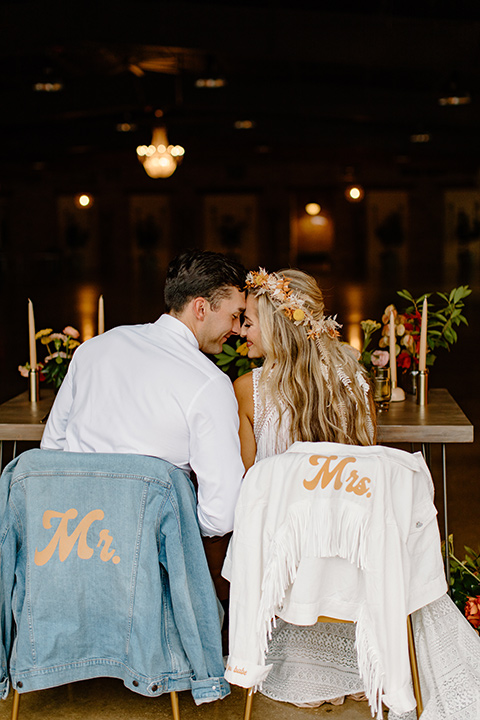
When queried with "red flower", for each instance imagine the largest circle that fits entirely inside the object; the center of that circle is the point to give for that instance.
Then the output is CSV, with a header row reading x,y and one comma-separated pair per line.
x,y
472,611
404,360
413,322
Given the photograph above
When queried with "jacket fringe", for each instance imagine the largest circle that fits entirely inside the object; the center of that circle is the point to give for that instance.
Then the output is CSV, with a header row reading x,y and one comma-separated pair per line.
x,y
369,664
320,530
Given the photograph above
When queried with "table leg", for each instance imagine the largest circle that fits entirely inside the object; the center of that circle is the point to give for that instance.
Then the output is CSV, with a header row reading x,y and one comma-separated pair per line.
x,y
426,453
14,453
445,515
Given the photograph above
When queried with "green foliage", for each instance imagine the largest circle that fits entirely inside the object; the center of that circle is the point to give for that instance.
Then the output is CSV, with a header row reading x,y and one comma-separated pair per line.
x,y
369,327
441,332
234,360
54,371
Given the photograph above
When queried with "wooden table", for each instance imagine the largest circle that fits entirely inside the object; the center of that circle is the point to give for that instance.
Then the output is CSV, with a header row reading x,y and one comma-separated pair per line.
x,y
21,420
441,421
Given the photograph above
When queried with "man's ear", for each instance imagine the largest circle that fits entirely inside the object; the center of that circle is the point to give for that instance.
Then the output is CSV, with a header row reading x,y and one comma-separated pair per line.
x,y
199,305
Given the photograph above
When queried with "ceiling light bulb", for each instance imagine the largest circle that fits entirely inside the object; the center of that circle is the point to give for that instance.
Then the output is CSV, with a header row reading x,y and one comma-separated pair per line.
x,y
354,193
160,159
83,201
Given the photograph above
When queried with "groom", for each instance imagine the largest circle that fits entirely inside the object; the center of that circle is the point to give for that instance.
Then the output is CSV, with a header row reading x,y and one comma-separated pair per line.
x,y
150,390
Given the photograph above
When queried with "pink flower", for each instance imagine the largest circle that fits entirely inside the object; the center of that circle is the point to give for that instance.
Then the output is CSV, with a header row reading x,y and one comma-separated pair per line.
x,y
54,355
23,370
69,330
380,358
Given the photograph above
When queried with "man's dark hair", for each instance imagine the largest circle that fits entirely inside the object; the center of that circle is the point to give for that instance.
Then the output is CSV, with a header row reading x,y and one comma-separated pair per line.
x,y
200,273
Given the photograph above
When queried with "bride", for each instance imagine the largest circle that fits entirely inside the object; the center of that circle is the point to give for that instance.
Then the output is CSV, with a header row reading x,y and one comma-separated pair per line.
x,y
311,388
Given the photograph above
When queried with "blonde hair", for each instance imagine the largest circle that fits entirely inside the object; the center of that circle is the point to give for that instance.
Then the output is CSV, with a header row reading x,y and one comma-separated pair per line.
x,y
316,384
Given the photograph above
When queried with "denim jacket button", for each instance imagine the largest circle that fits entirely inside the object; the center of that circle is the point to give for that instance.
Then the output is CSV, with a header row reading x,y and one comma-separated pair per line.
x,y
135,683
154,688
20,684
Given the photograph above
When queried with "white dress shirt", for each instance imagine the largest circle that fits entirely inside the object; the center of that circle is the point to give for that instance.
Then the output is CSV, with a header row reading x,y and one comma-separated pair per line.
x,y
149,390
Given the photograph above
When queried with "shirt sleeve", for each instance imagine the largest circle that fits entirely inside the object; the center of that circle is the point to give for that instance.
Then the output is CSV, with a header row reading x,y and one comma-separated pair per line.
x,y
215,454
54,436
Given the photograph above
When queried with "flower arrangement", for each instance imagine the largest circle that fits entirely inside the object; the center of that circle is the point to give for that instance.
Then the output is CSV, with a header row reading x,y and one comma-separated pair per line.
x,y
60,348
234,360
441,328
465,583
367,357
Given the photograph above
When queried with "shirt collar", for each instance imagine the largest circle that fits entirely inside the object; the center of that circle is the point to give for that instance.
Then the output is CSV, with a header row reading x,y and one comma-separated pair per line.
x,y
176,326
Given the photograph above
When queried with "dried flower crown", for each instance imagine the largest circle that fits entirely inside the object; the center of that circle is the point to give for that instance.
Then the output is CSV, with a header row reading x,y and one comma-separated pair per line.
x,y
291,303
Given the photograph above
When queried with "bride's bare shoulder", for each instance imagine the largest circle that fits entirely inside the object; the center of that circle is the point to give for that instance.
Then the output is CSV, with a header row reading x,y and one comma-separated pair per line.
x,y
243,385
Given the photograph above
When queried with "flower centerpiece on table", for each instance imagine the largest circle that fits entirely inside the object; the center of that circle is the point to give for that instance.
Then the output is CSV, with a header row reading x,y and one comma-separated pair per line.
x,y
441,327
234,360
60,348
465,583
369,358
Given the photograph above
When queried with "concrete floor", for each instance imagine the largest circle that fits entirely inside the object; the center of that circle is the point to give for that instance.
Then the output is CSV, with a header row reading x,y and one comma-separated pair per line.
x,y
129,302
108,699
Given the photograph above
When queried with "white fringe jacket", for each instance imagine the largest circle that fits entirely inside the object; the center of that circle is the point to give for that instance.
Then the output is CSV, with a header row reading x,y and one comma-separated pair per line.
x,y
342,531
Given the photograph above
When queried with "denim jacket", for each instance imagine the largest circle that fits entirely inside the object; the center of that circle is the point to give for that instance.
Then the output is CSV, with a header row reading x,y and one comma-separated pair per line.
x,y
103,573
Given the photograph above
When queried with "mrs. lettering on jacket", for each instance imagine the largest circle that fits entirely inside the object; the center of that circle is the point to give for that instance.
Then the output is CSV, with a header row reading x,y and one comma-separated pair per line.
x,y
326,473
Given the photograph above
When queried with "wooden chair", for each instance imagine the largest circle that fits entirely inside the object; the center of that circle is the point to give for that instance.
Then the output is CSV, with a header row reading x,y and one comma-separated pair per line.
x,y
413,664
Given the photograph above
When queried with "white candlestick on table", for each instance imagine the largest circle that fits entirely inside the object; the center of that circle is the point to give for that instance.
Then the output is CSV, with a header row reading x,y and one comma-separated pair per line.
x,y
397,393
31,336
422,355
101,316
393,352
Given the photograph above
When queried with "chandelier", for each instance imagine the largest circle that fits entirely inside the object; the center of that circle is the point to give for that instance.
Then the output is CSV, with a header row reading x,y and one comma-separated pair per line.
x,y
159,159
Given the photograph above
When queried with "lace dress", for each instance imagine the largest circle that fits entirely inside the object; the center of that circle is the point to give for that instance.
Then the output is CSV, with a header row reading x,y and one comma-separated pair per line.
x,y
269,438
318,663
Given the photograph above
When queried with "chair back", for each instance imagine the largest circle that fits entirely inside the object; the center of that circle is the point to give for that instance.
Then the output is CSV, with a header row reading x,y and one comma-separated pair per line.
x,y
340,531
103,573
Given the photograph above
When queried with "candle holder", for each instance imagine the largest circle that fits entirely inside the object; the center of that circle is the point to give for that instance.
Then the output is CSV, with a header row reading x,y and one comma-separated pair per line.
x,y
33,385
398,394
382,387
422,387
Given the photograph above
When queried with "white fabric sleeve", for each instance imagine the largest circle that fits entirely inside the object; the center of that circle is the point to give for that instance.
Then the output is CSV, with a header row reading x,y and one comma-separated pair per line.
x,y
215,454
245,567
54,436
